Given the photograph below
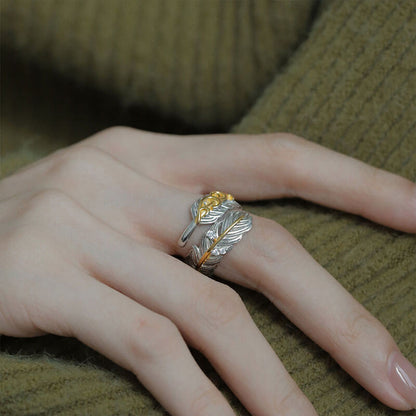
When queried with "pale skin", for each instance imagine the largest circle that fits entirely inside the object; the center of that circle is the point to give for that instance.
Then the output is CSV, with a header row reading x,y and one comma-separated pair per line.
x,y
87,238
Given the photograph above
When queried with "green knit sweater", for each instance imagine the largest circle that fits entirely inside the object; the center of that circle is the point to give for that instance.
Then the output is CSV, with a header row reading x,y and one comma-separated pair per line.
x,y
340,73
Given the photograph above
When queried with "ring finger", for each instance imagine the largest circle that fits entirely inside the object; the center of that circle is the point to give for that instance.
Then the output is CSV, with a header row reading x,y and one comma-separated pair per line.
x,y
220,326
211,317
341,325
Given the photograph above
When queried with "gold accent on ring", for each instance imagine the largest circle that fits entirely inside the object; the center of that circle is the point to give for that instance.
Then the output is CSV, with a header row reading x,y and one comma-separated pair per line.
x,y
206,255
208,203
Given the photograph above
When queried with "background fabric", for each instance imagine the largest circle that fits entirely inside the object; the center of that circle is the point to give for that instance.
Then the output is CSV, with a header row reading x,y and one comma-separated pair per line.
x,y
95,63
340,73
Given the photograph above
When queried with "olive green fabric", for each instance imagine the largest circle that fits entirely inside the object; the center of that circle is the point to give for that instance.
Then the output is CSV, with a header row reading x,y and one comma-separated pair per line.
x,y
340,73
72,67
203,62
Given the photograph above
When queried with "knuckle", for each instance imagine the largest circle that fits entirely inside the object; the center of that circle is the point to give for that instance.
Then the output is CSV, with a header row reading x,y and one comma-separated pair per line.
x,y
285,403
17,243
410,189
26,252
110,136
275,243
284,146
205,402
354,328
357,329
218,305
115,131
289,140
289,149
47,202
374,180
77,163
152,338
274,247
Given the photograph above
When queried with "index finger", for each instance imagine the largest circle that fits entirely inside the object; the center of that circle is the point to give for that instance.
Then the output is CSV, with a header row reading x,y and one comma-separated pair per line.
x,y
266,166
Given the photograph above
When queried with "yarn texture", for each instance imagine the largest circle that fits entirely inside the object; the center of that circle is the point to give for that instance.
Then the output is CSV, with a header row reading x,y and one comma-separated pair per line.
x,y
339,73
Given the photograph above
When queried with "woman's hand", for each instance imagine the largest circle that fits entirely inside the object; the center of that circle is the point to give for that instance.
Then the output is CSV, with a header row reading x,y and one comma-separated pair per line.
x,y
87,236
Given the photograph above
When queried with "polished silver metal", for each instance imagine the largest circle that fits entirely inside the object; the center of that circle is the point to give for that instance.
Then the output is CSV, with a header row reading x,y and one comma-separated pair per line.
x,y
218,240
210,218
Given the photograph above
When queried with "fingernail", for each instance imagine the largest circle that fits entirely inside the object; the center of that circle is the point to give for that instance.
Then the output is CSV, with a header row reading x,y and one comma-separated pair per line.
x,y
402,376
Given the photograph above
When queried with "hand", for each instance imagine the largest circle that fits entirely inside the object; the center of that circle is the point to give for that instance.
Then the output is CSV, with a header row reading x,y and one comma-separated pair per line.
x,y
87,236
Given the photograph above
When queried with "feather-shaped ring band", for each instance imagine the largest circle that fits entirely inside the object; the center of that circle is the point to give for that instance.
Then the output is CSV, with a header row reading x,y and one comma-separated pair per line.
x,y
206,210
219,240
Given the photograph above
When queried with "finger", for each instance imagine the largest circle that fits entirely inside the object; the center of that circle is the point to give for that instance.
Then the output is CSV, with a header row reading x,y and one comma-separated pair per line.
x,y
324,176
220,326
108,189
273,262
267,166
143,342
210,315
155,215
53,234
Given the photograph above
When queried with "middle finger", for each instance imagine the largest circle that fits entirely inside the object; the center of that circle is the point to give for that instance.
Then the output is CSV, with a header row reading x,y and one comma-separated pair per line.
x,y
272,262
212,319
210,315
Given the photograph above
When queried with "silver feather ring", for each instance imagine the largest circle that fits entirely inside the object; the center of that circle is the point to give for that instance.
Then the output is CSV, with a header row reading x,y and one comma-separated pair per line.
x,y
219,240
206,210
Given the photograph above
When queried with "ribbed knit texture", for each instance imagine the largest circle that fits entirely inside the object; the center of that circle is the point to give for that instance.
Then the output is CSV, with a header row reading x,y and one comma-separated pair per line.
x,y
203,62
350,86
